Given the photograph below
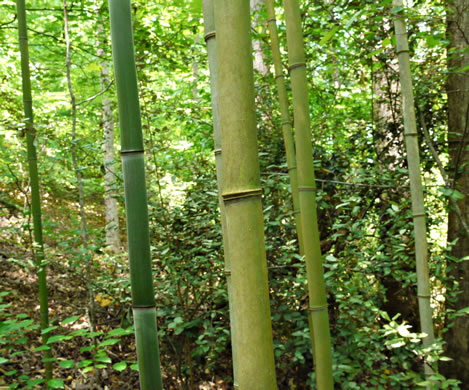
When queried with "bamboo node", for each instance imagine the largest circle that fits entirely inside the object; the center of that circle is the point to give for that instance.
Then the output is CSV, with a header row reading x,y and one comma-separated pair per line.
x,y
402,51
297,212
297,65
137,151
210,34
279,76
286,123
152,307
292,168
27,100
410,134
217,151
317,308
271,20
423,296
307,189
418,215
241,194
23,38
227,272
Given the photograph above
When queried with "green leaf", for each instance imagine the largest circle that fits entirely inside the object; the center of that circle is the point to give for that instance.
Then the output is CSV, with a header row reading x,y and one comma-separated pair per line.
x,y
57,338
108,342
84,363
69,320
3,360
103,359
41,348
49,329
67,363
329,35
56,384
121,366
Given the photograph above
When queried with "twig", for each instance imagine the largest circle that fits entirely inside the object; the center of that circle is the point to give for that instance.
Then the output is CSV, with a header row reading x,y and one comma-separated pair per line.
x,y
96,95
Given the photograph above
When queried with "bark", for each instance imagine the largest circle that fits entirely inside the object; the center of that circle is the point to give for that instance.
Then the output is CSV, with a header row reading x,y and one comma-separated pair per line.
x,y
110,201
457,338
259,58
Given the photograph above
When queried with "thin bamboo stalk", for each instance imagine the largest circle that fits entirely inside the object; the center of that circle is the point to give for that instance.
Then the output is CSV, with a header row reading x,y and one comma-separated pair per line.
x,y
210,40
38,246
242,197
285,117
133,163
307,198
416,190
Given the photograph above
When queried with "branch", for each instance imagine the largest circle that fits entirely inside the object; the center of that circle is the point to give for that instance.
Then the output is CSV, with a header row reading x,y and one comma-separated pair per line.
x,y
97,95
442,172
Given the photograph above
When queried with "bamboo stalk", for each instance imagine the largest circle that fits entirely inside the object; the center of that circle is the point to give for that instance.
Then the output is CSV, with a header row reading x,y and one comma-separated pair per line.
x,y
285,117
143,301
242,198
38,245
416,190
210,40
307,198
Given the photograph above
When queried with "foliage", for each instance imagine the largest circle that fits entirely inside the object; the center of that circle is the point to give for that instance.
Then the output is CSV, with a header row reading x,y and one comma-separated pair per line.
x,y
364,205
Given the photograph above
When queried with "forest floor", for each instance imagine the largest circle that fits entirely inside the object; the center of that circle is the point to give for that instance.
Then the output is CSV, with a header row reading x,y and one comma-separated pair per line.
x,y
67,297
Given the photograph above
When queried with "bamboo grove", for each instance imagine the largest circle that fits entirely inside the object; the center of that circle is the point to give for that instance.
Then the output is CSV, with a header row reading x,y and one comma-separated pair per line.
x,y
228,41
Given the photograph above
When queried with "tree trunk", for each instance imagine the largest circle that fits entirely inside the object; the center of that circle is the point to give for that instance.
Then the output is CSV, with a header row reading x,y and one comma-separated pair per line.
x,y
457,87
242,197
259,58
133,162
110,201
37,246
317,309
210,39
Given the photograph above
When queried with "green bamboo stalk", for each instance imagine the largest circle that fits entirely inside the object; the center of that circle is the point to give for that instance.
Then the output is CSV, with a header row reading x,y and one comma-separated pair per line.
x,y
210,40
416,189
242,197
286,130
143,301
307,197
286,120
38,246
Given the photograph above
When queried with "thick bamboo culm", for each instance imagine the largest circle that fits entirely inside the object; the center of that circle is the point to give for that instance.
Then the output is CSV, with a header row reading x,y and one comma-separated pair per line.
x,y
143,301
285,117
210,40
416,189
34,177
242,198
307,198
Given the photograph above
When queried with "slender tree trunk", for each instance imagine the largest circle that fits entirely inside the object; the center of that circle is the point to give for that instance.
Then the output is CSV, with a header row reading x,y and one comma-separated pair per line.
x,y
307,197
242,198
210,39
457,87
76,167
259,57
416,189
110,201
143,299
38,246
81,195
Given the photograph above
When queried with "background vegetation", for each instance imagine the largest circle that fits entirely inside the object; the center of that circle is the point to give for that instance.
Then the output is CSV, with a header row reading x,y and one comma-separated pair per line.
x,y
363,195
